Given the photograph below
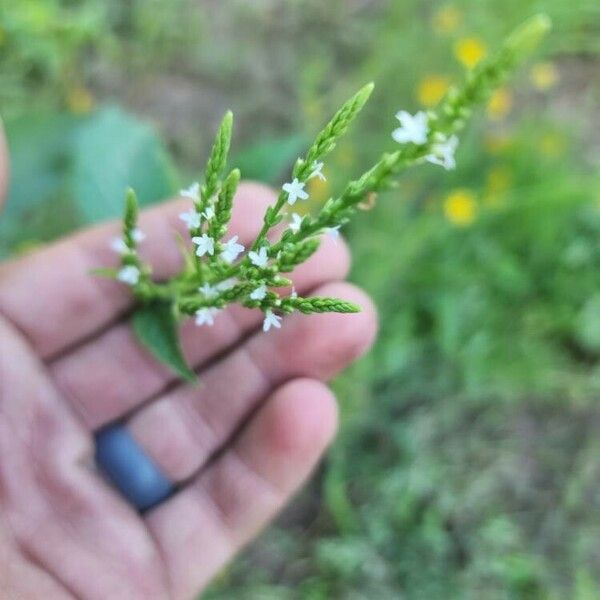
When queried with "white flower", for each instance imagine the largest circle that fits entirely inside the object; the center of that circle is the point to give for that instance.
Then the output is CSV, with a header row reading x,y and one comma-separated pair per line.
x,y
413,128
296,222
443,153
232,249
260,258
129,275
259,293
206,316
294,293
193,192
295,190
317,171
206,245
191,218
209,213
271,320
119,246
227,284
208,291
334,232
138,235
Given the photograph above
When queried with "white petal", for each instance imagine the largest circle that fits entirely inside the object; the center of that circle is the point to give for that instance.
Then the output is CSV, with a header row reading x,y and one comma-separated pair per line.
x,y
119,246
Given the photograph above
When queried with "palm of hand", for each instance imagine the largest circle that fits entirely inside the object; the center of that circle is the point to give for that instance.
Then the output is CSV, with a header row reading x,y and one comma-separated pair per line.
x,y
238,445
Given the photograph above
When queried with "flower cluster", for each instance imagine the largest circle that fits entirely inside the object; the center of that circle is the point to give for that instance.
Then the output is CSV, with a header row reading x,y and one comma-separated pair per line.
x,y
219,270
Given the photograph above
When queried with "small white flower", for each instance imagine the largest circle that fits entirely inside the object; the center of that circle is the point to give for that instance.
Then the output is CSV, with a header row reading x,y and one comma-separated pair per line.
x,y
208,291
271,320
119,246
206,245
206,316
295,190
209,213
129,275
138,235
227,284
296,222
443,153
259,293
413,128
334,232
317,171
294,294
193,192
232,249
259,259
191,218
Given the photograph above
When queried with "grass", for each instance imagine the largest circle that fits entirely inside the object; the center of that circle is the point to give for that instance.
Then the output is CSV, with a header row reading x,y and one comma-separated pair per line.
x,y
467,463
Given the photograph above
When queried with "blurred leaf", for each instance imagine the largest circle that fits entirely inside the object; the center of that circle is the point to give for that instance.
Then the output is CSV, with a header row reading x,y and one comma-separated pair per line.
x,y
113,151
155,326
40,149
587,330
269,158
69,171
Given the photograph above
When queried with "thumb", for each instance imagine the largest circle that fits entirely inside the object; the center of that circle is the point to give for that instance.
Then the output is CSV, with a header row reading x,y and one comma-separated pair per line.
x,y
3,166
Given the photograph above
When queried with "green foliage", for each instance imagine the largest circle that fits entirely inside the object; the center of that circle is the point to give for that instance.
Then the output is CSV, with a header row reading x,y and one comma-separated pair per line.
x,y
155,325
267,159
467,462
41,45
201,291
79,168
111,151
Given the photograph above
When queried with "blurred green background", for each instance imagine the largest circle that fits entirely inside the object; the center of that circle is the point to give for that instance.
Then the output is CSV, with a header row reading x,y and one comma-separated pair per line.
x,y
468,463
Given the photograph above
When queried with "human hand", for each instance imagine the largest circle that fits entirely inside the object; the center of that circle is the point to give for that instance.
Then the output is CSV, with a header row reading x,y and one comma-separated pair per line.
x,y
238,445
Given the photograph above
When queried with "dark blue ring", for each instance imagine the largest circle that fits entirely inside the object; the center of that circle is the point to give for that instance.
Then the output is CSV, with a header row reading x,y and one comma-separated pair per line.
x,y
130,469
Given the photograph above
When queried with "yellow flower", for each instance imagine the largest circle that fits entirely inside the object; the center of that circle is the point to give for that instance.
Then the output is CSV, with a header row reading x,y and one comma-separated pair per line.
x,y
470,51
460,207
446,19
499,104
544,75
432,89
80,100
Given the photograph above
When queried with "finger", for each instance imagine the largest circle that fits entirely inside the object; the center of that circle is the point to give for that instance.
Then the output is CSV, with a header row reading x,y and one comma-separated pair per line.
x,y
196,423
204,525
61,516
4,165
52,298
110,375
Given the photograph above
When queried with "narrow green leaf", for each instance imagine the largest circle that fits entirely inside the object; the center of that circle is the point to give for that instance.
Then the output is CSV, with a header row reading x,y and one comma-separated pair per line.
x,y
155,326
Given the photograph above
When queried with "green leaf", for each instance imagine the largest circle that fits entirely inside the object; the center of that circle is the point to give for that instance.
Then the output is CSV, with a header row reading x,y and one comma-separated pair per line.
x,y
40,148
156,328
69,171
112,152
268,159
